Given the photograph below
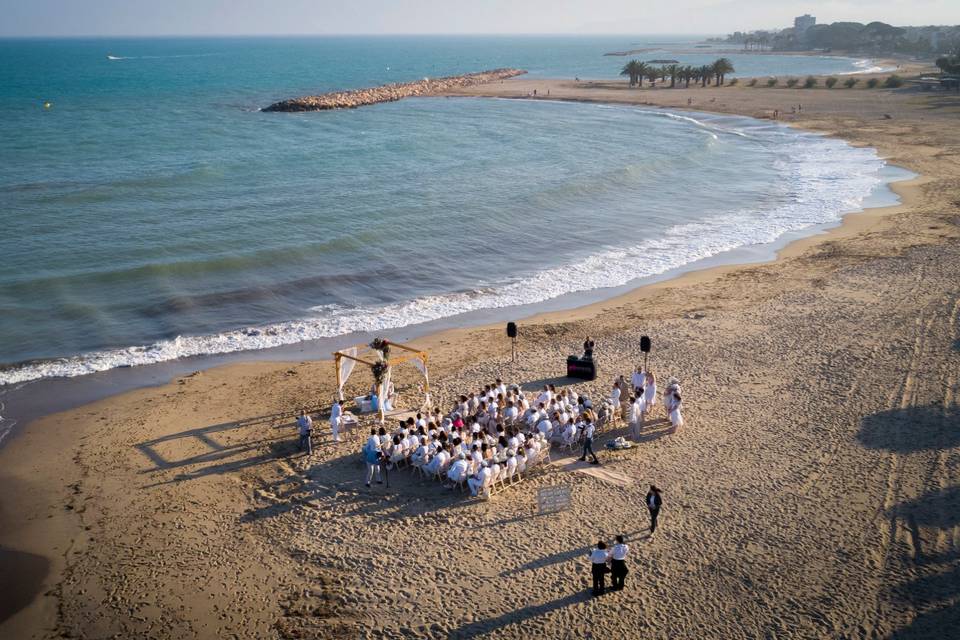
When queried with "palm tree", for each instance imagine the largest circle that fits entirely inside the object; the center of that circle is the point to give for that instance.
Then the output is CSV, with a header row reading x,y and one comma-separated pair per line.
x,y
688,74
721,68
635,69
652,74
705,72
674,72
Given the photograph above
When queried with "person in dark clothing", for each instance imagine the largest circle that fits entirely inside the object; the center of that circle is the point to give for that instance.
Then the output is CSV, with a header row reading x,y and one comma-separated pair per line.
x,y
588,345
654,502
598,567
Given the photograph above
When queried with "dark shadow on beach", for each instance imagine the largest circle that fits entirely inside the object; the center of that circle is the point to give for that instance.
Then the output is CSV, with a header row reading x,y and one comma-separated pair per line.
x,y
933,594
21,580
520,615
912,429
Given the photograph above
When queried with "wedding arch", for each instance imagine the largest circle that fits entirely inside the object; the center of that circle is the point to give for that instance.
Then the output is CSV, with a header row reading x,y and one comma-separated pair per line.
x,y
377,355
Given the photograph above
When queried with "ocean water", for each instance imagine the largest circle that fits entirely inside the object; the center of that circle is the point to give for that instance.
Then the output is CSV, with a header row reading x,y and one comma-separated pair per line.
x,y
152,213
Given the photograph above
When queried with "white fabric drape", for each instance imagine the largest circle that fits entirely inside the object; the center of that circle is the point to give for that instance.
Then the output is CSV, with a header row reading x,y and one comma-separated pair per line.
x,y
422,366
346,368
383,392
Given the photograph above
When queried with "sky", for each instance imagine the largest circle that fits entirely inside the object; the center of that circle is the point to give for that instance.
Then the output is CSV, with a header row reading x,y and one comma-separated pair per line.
x,y
243,17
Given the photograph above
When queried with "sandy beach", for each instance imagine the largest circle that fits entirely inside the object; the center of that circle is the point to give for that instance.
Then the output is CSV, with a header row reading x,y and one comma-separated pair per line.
x,y
814,491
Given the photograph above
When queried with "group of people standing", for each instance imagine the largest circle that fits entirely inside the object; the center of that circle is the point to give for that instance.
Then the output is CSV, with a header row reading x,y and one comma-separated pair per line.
x,y
614,561
305,426
637,398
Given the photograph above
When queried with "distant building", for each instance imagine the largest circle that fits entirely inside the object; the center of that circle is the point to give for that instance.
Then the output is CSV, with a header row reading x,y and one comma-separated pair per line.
x,y
802,23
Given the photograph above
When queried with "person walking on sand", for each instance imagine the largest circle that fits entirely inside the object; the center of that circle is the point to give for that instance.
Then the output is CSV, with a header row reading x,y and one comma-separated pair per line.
x,y
599,568
588,430
618,564
305,424
336,417
654,502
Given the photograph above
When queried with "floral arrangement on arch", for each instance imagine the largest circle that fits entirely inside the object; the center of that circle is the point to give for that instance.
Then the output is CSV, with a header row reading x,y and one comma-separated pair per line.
x,y
381,345
379,370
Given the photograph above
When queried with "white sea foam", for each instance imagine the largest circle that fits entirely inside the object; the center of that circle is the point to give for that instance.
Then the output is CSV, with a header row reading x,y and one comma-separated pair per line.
x,y
826,176
867,65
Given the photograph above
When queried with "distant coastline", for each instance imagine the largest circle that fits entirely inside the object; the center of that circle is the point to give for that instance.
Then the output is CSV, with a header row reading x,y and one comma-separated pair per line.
x,y
390,92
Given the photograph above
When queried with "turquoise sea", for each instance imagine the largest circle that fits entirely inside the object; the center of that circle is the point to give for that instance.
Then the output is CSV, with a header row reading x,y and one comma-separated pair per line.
x,y
153,213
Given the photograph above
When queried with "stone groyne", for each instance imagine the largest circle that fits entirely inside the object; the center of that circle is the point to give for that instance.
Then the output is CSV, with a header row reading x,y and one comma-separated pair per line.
x,y
390,92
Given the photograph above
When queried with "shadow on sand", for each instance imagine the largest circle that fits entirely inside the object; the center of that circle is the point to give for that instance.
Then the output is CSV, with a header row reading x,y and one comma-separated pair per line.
x,y
912,429
935,592
520,615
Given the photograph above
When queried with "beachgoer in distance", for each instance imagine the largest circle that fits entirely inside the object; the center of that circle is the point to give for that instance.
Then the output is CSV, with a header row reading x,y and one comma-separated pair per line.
x,y
588,430
654,502
599,568
336,417
618,564
305,424
676,418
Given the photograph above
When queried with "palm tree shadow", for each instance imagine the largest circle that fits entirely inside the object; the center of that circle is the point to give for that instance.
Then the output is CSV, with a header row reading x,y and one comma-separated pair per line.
x,y
940,509
521,615
910,430
934,625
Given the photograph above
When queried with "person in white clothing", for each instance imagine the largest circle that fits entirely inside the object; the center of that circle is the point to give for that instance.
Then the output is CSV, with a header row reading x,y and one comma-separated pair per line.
x,y
650,391
458,470
638,380
676,418
438,462
615,399
480,481
336,418
638,414
545,427
305,425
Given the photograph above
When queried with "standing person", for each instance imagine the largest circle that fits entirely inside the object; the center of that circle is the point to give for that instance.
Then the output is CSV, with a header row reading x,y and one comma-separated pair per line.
x,y
371,456
588,430
650,391
618,564
615,407
305,423
598,567
676,404
336,417
654,502
588,345
638,380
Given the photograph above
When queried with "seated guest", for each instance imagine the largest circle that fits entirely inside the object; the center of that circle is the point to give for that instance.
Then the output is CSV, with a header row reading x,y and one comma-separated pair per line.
x,y
511,465
500,387
522,460
458,470
545,427
480,481
396,451
439,461
419,456
510,413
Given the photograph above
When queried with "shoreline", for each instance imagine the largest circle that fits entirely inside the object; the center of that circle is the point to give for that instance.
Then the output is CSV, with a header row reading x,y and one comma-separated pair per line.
x,y
46,477
76,391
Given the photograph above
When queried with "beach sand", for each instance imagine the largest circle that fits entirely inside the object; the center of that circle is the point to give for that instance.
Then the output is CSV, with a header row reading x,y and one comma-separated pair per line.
x,y
814,491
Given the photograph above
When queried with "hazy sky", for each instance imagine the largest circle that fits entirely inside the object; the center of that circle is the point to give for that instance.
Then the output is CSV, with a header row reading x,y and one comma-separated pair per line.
x,y
197,17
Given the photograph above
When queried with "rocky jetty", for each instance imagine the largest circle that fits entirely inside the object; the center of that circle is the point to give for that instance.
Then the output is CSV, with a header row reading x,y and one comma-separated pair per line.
x,y
390,92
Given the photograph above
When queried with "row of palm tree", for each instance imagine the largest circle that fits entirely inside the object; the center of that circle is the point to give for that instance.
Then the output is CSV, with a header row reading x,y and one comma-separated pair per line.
x,y
704,75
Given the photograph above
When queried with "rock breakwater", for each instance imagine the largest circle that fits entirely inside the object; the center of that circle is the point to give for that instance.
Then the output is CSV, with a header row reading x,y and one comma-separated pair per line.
x,y
390,92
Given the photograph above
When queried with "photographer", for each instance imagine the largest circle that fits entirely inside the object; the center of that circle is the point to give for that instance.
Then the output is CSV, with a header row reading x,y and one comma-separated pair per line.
x,y
372,455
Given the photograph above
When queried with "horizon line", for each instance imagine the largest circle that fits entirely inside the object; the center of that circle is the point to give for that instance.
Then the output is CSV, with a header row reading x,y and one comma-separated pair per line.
x,y
346,35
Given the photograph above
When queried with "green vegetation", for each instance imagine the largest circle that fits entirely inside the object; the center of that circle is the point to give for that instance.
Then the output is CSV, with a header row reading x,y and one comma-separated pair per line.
x,y
810,82
850,83
772,82
636,70
716,73
951,63
732,82
873,82
893,82
830,82
752,83
792,82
